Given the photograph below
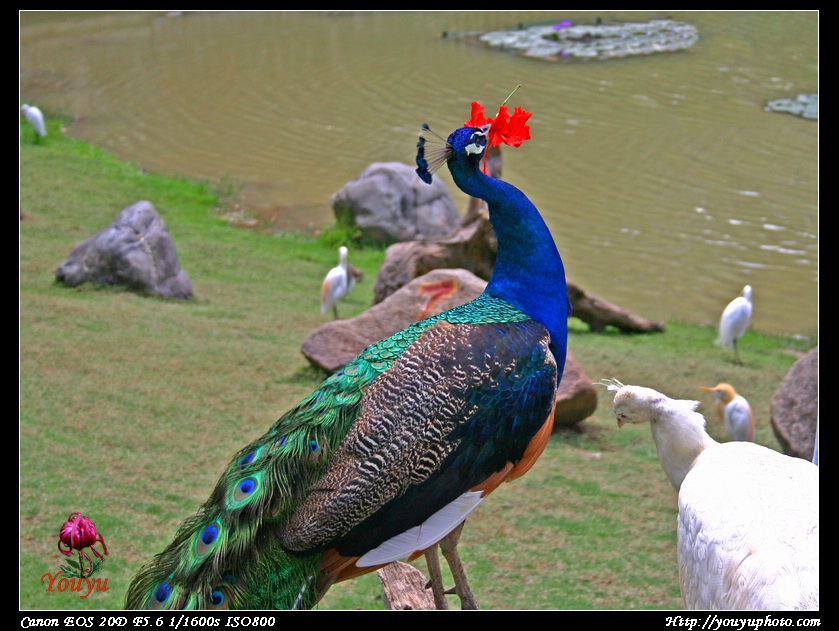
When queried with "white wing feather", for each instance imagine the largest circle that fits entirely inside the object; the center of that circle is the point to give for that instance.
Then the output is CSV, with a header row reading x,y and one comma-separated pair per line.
x,y
426,534
748,530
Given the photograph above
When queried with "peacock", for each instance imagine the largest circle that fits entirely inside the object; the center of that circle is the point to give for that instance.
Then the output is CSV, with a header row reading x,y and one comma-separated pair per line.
x,y
389,455
748,525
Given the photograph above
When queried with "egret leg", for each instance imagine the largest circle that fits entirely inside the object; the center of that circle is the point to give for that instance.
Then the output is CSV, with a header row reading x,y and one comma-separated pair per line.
x,y
448,546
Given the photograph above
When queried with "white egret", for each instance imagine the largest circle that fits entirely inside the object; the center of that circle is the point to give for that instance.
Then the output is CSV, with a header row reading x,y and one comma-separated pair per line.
x,y
338,282
35,118
735,320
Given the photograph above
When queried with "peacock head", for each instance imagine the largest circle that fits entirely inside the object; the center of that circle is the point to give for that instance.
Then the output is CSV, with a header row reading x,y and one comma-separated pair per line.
x,y
470,142
632,404
637,404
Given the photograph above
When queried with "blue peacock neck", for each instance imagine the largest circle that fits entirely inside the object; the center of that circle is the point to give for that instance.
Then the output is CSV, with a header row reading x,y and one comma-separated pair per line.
x,y
528,272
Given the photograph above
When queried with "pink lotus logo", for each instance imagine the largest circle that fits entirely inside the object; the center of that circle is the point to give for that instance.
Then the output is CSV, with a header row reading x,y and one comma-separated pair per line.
x,y
78,534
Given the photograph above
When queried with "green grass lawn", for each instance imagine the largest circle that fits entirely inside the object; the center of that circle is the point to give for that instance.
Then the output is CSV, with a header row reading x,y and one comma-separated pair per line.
x,y
131,406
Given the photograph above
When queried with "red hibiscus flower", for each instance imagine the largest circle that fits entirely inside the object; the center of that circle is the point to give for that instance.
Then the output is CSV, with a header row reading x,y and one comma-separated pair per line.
x,y
504,128
510,130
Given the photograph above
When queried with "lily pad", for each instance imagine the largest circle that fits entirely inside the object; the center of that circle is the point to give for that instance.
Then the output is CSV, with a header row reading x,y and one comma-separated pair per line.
x,y
566,40
803,105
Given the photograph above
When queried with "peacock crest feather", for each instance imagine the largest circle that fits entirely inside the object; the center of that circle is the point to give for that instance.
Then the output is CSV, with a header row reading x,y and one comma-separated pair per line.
x,y
393,451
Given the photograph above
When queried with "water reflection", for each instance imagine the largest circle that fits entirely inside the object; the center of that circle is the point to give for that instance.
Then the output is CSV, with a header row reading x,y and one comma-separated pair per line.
x,y
666,184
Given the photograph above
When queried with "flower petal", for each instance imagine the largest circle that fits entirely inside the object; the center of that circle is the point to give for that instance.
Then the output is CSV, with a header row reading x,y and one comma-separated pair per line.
x,y
477,119
518,130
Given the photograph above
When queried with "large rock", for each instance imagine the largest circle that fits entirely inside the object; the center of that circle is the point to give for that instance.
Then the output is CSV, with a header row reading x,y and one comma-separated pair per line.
x,y
794,409
576,398
334,344
471,247
136,250
388,203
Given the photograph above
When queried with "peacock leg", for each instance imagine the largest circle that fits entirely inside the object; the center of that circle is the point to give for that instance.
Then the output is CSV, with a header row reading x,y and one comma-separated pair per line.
x,y
435,574
448,546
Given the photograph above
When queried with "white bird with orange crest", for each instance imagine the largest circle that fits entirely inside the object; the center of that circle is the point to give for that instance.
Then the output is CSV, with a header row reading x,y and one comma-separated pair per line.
x,y
748,526
733,411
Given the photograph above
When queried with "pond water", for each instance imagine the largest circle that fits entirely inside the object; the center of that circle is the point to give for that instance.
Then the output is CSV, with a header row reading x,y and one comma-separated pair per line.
x,y
665,181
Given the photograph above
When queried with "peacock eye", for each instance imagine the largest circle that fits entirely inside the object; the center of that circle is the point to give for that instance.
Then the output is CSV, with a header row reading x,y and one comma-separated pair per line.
x,y
209,534
162,593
